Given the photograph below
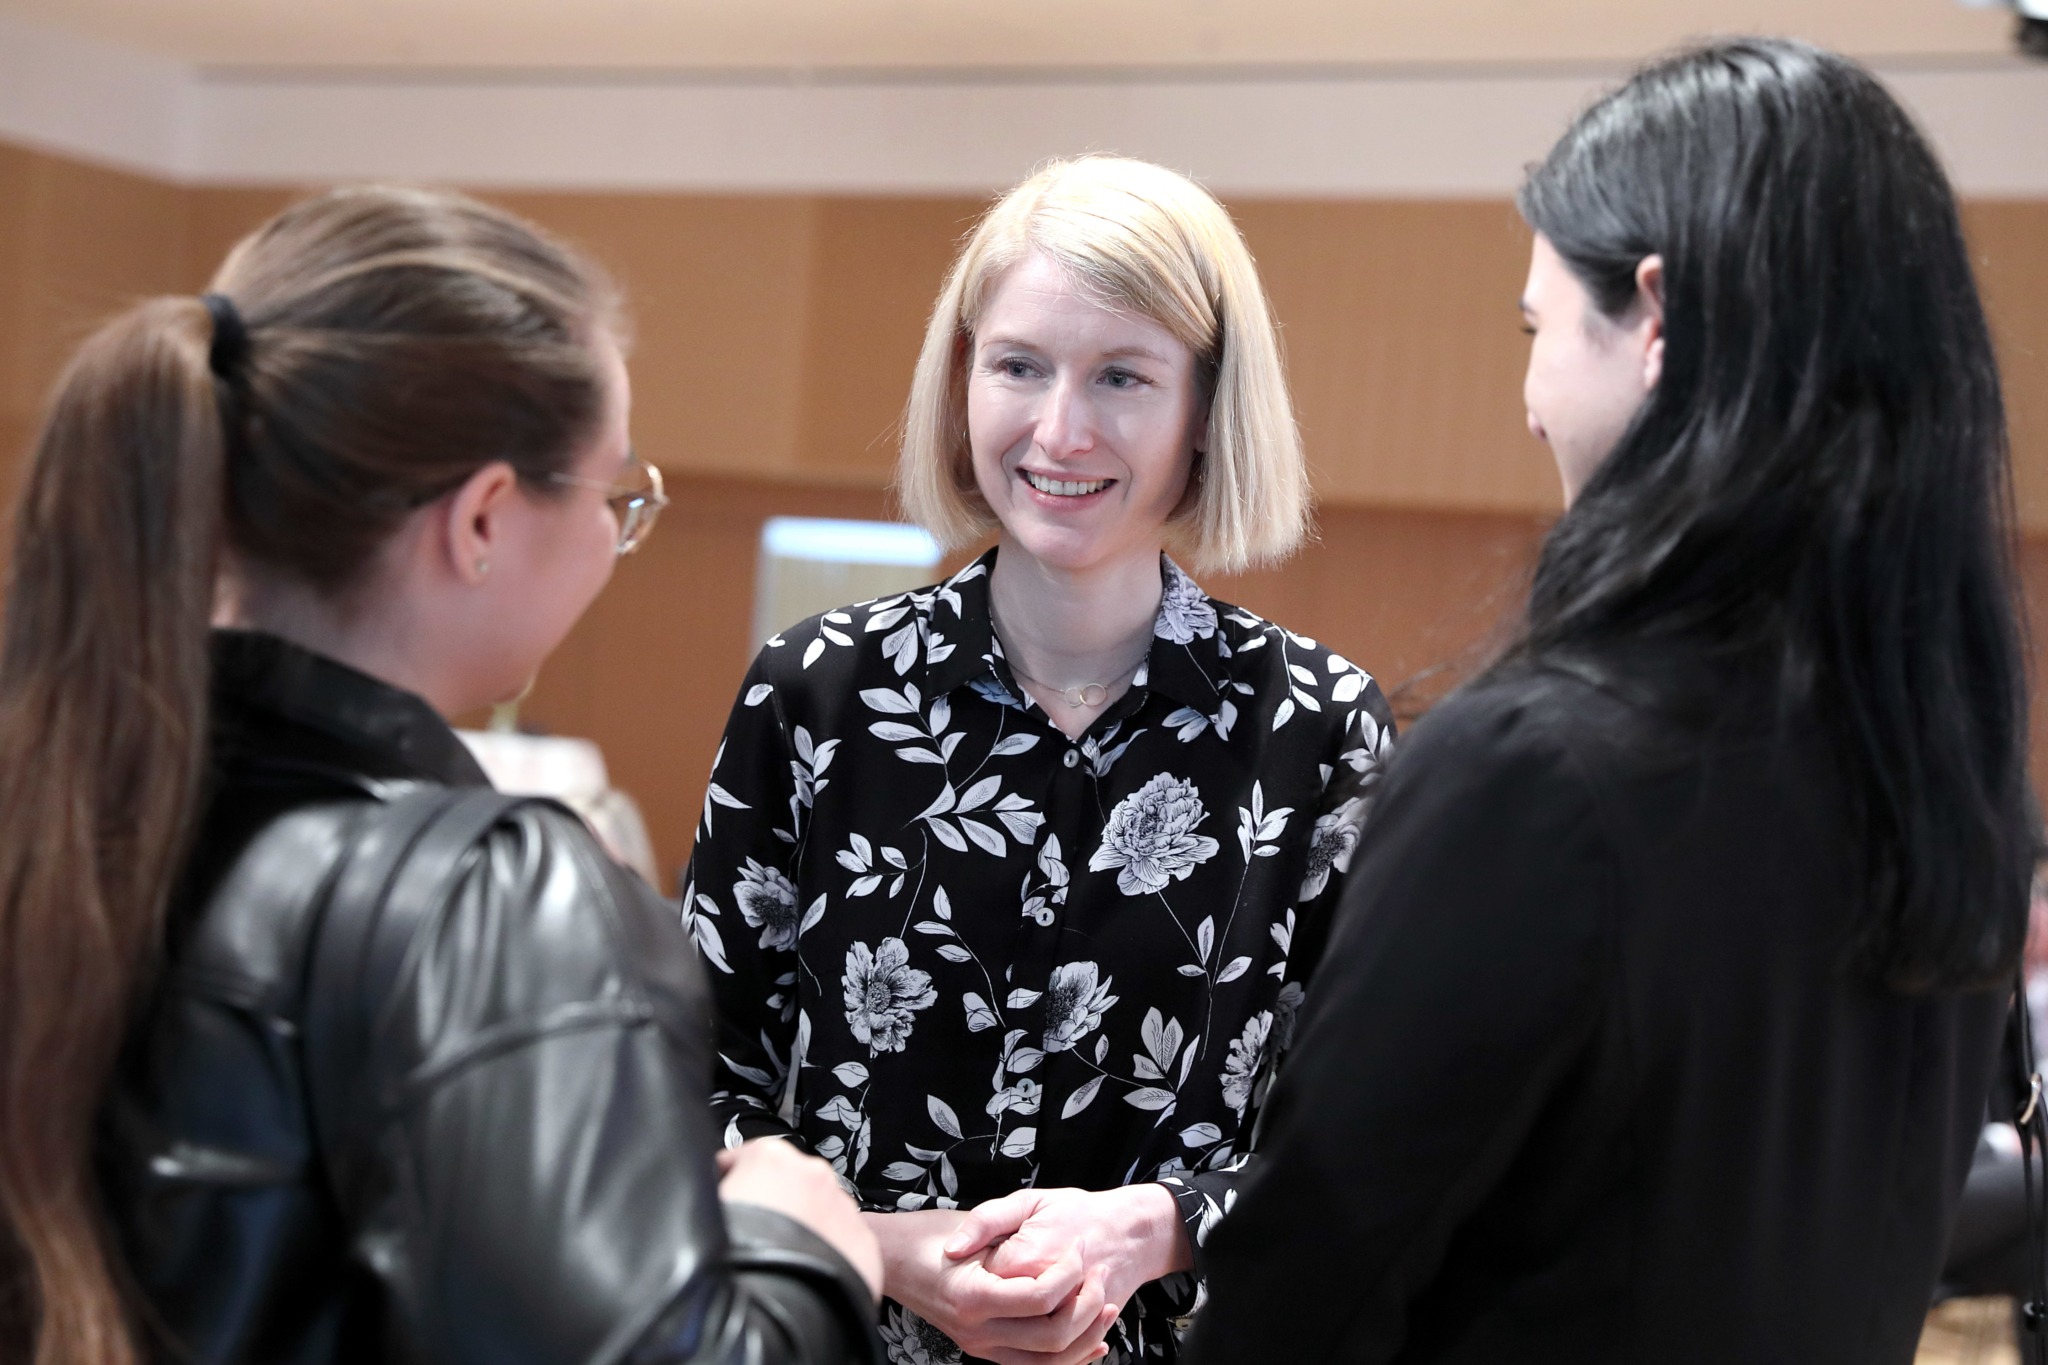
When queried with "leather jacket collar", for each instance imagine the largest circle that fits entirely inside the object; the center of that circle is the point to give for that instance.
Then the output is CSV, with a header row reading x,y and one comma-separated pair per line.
x,y
273,699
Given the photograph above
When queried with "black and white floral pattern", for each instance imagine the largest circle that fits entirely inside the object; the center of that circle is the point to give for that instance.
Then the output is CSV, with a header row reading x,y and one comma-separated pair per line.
x,y
912,1341
767,901
1150,837
883,992
995,957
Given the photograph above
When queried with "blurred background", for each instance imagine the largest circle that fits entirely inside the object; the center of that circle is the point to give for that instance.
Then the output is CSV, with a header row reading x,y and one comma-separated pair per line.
x,y
780,185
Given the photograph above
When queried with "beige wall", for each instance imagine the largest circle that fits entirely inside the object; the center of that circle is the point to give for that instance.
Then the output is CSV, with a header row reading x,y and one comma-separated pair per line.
x,y
776,337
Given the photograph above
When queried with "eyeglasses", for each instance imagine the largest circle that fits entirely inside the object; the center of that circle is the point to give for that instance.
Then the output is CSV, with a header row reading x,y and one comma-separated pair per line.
x,y
636,507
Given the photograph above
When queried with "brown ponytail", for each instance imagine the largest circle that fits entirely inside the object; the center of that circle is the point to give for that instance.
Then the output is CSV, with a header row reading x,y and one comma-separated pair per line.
x,y
398,341
103,683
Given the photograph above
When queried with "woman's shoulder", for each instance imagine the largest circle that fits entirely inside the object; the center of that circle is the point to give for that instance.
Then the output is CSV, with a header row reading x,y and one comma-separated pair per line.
x,y
888,636
1256,657
550,902
1535,723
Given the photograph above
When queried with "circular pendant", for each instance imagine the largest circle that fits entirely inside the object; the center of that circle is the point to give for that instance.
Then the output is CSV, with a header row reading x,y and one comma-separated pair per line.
x,y
1087,694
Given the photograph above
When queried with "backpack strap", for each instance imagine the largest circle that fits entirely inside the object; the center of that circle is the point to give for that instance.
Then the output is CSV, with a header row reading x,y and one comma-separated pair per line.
x,y
398,875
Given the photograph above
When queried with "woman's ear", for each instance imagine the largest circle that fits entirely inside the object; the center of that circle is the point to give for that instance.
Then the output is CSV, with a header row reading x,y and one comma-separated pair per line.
x,y
474,525
1650,310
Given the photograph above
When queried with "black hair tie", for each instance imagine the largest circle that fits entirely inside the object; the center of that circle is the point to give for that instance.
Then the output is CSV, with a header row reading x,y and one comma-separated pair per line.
x,y
230,336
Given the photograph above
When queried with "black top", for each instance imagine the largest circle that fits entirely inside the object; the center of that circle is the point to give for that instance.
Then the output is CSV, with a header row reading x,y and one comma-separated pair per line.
x,y
1585,1078
519,1166
1007,958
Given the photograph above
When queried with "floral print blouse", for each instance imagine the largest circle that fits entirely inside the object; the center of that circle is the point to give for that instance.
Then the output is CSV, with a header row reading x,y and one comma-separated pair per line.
x,y
956,953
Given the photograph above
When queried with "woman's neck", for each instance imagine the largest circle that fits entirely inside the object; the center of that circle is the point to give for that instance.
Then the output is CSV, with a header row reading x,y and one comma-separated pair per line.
x,y
1068,629
373,643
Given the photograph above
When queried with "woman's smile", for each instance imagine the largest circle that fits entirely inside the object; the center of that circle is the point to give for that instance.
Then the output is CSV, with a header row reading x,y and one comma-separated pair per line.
x,y
1064,490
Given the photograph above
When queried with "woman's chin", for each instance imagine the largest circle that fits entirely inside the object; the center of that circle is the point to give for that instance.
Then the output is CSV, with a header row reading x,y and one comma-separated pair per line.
x,y
1071,551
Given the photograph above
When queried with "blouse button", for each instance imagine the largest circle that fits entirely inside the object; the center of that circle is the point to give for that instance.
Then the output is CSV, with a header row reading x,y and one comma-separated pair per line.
x,y
1073,757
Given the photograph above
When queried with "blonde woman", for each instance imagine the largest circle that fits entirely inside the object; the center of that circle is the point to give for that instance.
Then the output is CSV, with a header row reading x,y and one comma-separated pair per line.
x,y
1012,885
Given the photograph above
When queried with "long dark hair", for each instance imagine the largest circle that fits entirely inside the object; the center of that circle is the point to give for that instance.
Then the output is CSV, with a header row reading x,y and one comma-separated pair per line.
x,y
1818,489
397,341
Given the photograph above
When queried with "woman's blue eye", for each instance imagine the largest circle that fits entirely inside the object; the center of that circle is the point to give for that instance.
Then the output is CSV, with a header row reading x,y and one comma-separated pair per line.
x,y
1120,379
1015,369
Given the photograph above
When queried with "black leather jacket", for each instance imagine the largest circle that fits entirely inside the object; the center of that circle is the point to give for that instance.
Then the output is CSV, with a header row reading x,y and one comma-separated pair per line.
x,y
519,1167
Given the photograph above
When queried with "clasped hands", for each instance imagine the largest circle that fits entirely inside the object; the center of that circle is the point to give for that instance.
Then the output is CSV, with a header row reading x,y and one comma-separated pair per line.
x,y
1035,1277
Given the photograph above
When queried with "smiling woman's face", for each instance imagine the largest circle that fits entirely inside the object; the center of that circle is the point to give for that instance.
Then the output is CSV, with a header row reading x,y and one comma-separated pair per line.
x,y
1083,421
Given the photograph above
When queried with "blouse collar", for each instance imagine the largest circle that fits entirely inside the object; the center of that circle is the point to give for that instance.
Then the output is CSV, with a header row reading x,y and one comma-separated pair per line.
x,y
1187,660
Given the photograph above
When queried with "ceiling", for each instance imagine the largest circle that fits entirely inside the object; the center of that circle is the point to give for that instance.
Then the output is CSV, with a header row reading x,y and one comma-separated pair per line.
x,y
964,35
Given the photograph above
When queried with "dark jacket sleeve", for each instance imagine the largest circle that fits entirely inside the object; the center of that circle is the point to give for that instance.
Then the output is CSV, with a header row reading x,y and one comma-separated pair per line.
x,y
1461,978
528,1168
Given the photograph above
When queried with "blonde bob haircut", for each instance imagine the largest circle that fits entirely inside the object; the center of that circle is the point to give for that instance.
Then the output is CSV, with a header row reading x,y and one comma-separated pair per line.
x,y
1142,238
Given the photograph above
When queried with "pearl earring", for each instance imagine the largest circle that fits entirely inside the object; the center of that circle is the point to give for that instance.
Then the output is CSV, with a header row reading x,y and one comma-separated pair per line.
x,y
483,566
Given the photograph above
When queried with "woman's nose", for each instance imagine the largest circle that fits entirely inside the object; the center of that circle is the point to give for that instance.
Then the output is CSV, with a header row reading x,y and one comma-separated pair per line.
x,y
1066,426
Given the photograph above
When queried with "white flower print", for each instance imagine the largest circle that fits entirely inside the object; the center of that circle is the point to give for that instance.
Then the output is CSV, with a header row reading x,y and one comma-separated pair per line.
x,y
1241,1067
910,1340
1185,611
1074,1004
882,992
1151,836
1331,845
767,901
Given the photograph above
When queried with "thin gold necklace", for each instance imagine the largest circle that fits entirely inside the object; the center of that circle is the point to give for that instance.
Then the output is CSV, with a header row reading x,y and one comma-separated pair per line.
x,y
1080,694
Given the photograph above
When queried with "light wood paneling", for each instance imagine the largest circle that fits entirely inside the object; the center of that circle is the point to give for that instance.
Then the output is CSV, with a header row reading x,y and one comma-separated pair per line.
x,y
83,243
721,291
876,270
217,220
2010,241
17,178
776,334
1403,345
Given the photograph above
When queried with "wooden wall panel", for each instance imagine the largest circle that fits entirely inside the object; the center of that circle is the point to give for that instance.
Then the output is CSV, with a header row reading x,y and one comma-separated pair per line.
x,y
216,220
2010,240
721,291
82,243
77,244
876,268
17,181
1404,347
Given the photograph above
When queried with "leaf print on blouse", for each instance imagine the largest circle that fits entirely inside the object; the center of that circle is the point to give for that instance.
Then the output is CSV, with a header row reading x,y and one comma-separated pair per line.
x,y
1241,1067
1331,844
1074,1004
1151,836
910,1340
1185,611
882,992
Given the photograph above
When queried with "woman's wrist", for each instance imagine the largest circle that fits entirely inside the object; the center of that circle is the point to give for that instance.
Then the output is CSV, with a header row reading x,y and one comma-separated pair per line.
x,y
1154,1223
909,1240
